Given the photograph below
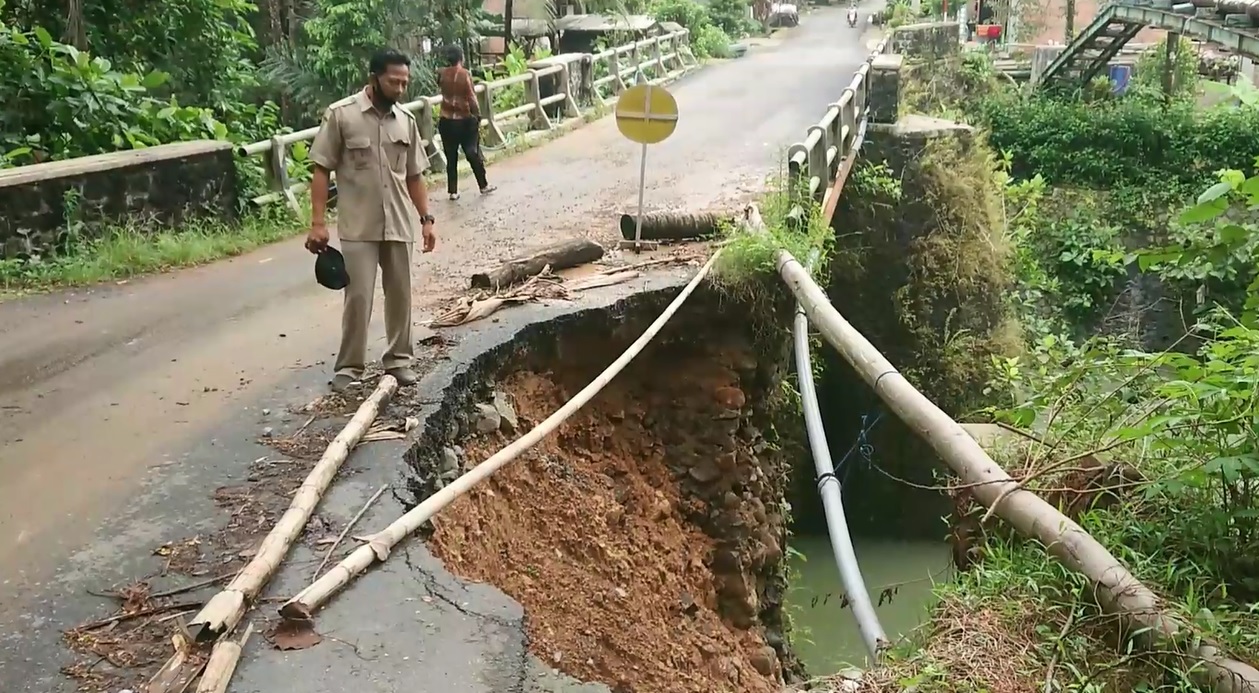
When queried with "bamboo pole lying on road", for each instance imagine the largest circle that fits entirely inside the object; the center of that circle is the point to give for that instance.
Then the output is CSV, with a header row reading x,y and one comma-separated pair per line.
x,y
225,609
378,546
222,664
1116,589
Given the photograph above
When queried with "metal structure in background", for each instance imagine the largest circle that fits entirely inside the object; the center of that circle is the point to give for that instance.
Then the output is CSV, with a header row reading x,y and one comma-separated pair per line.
x,y
1233,24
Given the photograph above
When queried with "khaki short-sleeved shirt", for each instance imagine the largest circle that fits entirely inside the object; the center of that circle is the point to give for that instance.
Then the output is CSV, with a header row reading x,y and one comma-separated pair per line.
x,y
372,155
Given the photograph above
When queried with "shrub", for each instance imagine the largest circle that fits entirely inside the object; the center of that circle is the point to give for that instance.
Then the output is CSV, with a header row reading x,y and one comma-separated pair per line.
x,y
711,42
1119,142
731,16
707,39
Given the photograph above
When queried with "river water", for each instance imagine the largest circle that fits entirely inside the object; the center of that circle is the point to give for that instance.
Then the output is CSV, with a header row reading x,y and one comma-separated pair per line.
x,y
825,635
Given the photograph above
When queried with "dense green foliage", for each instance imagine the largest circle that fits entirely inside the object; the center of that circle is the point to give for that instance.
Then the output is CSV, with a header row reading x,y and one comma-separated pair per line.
x,y
1119,142
109,75
1104,199
712,26
1183,420
137,78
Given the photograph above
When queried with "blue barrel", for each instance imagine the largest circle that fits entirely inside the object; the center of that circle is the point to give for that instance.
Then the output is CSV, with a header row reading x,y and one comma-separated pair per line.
x,y
1120,76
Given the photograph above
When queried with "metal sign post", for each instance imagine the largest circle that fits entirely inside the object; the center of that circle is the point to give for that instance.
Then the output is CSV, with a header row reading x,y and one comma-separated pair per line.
x,y
642,174
648,115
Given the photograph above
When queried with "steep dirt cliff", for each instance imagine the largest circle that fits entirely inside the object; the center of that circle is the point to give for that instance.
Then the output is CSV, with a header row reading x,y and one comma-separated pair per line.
x,y
645,539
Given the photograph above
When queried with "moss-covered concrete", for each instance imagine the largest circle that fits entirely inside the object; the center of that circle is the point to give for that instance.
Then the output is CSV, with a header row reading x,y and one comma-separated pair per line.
x,y
920,269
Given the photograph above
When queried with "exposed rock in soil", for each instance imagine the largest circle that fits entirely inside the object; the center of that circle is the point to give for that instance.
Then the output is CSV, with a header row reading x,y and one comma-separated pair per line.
x,y
645,539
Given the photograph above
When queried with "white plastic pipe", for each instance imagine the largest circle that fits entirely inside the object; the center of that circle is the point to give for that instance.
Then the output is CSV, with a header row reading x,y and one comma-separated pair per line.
x,y
828,486
379,545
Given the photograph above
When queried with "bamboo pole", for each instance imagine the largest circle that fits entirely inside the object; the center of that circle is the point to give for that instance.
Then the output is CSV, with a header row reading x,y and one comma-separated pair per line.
x,y
1116,589
222,664
353,521
225,609
378,546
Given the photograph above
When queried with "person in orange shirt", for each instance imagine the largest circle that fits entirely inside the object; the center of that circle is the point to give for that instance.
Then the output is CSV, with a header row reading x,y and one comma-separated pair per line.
x,y
460,123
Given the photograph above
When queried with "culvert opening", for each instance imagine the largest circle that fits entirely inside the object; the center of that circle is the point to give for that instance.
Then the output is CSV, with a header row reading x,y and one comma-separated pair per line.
x,y
646,538
895,517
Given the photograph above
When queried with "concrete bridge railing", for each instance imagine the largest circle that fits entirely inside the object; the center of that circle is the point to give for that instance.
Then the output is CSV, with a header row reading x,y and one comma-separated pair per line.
x,y
570,76
171,183
814,165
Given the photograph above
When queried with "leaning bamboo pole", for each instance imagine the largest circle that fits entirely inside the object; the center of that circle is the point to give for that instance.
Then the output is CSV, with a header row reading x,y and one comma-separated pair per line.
x,y
225,609
378,546
1115,588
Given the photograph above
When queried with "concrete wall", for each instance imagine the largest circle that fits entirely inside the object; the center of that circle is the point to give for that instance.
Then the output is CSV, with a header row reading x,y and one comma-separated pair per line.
x,y
927,40
163,184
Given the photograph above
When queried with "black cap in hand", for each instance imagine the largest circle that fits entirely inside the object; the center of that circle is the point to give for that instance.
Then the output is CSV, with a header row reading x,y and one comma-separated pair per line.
x,y
330,269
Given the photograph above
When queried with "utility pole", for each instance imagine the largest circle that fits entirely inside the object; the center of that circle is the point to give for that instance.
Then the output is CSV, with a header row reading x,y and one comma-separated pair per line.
x,y
1070,32
1169,65
507,17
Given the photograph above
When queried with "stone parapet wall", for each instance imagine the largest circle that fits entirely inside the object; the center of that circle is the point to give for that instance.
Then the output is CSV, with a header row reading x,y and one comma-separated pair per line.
x,y
46,204
885,88
927,40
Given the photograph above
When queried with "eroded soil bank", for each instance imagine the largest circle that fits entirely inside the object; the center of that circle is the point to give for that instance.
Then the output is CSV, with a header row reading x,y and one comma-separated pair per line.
x,y
646,538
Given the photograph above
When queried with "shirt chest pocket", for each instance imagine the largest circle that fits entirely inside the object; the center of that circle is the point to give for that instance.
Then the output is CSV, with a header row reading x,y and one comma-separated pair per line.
x,y
397,144
359,152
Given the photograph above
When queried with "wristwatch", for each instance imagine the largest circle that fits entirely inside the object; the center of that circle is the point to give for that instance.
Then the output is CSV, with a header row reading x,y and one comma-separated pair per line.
x,y
427,219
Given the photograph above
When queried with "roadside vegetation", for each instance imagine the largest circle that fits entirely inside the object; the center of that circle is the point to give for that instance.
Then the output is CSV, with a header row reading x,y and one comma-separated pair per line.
x,y
1133,235
89,78
1127,360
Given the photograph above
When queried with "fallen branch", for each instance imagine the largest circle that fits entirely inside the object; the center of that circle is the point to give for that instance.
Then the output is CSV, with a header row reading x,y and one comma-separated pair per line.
x,y
194,586
348,527
570,253
644,264
127,616
486,303
541,286
378,546
225,609
1115,588
598,280
178,671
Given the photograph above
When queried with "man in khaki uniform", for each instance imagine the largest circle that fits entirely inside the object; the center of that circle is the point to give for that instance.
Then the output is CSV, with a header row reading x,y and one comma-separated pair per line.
x,y
374,146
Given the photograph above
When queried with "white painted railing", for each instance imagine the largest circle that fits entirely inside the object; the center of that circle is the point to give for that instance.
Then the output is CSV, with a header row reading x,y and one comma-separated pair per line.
x,y
814,163
666,56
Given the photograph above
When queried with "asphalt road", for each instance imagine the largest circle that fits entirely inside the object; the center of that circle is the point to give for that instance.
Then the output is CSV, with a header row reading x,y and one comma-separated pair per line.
x,y
124,405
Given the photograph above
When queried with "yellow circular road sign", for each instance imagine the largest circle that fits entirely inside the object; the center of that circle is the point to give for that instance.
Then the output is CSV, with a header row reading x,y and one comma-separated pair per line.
x,y
647,114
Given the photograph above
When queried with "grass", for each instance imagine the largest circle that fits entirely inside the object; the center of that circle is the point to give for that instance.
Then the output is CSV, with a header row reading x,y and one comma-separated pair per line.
x,y
1018,621
794,226
129,250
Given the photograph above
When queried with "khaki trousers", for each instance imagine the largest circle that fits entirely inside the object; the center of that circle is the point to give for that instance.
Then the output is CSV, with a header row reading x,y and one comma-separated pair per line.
x,y
361,260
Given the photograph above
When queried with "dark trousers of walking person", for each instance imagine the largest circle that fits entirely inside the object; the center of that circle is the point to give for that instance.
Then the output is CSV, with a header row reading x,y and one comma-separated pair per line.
x,y
465,134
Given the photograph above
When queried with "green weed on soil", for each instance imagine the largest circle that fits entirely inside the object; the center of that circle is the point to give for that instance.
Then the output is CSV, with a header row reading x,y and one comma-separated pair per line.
x,y
129,250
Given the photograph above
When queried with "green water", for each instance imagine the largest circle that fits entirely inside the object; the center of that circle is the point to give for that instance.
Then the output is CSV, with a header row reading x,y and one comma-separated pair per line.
x,y
826,638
